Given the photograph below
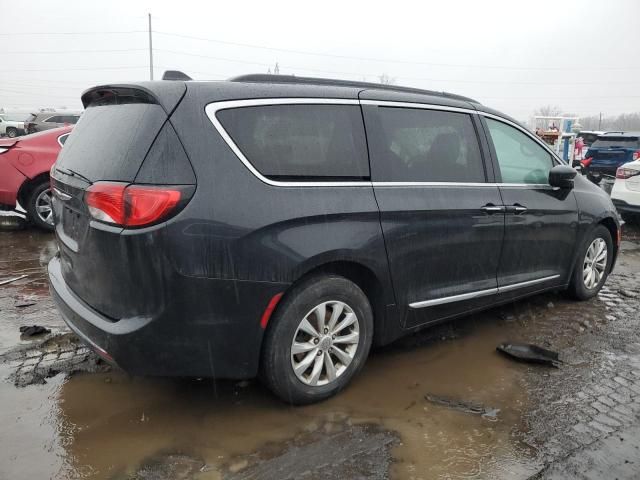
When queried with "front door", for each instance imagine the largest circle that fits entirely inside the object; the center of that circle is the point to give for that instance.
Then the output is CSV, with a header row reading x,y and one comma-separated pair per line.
x,y
540,221
441,216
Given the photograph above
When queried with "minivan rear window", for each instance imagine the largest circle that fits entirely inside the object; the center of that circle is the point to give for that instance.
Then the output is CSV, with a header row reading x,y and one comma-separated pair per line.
x,y
420,145
301,142
110,142
622,142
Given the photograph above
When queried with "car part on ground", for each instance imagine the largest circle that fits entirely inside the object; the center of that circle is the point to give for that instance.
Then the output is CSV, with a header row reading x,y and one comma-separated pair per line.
x,y
526,352
204,227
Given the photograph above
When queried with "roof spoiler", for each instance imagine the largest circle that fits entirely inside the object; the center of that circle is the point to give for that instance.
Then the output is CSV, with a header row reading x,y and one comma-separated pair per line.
x,y
175,75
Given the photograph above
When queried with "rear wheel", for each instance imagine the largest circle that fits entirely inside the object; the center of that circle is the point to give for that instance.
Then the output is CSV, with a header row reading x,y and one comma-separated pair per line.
x,y
594,263
318,339
39,206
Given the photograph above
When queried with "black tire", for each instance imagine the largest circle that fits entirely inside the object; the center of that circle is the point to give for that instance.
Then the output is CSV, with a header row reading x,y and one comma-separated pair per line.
x,y
12,132
577,288
277,371
31,206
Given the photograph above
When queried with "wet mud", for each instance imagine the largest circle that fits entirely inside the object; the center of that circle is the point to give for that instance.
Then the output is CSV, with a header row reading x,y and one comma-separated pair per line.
x,y
439,404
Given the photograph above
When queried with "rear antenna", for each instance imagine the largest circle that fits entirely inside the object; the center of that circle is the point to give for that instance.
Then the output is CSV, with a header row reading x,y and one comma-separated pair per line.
x,y
175,75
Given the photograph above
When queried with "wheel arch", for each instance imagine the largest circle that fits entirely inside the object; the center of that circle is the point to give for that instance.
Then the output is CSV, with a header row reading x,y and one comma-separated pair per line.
x,y
27,187
361,275
613,228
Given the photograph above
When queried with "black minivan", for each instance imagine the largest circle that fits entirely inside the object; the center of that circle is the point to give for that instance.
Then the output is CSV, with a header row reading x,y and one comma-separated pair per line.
x,y
281,226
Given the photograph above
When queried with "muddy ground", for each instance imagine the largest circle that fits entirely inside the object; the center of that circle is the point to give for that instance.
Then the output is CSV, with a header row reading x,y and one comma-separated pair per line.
x,y
439,404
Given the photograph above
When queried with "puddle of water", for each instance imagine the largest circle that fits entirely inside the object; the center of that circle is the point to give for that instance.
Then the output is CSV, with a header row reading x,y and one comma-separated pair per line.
x,y
24,253
105,426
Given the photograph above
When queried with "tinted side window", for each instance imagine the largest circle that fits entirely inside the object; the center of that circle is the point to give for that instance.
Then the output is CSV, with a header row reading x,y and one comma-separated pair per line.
x,y
418,145
300,141
56,119
72,119
521,159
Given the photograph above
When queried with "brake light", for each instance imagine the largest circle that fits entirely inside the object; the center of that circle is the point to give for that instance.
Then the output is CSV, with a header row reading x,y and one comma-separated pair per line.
x,y
636,155
626,172
586,162
131,205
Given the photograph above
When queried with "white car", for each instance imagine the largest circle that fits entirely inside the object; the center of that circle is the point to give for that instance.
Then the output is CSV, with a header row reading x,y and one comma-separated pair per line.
x,y
626,189
11,128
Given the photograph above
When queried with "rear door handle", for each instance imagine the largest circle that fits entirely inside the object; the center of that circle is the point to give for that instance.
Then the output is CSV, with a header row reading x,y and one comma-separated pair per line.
x,y
516,209
492,209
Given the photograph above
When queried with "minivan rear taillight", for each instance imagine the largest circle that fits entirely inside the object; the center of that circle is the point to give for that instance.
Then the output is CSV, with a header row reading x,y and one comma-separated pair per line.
x,y
636,155
626,172
133,205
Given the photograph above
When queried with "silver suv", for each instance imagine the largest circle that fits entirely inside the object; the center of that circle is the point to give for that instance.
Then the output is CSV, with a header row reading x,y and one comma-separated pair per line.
x,y
38,122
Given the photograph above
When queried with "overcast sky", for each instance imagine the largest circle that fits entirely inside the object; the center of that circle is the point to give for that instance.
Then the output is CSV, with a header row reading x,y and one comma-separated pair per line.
x,y
512,55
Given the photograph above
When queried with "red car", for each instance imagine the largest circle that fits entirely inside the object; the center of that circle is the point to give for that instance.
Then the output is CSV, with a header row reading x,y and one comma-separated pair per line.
x,y
24,173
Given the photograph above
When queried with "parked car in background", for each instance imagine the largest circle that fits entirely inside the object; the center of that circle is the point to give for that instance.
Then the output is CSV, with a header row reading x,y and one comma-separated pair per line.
x,y
11,126
626,189
282,226
610,151
38,122
25,163
589,136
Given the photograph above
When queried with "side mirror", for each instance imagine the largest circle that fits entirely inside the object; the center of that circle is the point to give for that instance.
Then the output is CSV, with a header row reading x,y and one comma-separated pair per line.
x,y
562,176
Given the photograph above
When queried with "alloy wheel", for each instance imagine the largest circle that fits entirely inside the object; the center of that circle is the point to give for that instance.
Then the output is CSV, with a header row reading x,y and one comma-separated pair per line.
x,y
43,207
595,263
325,343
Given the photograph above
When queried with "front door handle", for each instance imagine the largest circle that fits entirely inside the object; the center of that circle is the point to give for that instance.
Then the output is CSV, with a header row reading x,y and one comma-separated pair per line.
x,y
516,209
492,209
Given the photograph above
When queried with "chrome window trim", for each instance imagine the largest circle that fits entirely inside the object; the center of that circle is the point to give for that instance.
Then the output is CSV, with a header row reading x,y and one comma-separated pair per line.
x,y
212,108
479,293
463,184
423,106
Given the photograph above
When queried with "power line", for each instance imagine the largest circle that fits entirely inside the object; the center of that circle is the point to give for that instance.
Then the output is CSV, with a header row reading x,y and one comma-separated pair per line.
x,y
5,34
359,74
372,59
23,52
73,69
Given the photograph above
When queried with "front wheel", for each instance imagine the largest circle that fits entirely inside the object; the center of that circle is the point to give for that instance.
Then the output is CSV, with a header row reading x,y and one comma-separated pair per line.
x,y
318,339
39,206
12,132
594,264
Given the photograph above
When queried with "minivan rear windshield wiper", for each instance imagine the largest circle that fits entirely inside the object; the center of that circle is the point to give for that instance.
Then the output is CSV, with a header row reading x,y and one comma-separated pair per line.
x,y
73,173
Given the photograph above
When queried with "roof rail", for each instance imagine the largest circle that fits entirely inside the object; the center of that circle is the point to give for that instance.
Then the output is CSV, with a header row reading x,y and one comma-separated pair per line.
x,y
270,78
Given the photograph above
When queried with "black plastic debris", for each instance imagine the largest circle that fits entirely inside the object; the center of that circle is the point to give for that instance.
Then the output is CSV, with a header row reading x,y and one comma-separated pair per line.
x,y
526,352
464,406
24,303
32,330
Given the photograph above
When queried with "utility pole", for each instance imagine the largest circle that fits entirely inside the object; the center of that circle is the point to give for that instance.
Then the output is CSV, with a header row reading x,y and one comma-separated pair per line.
x,y
150,51
600,122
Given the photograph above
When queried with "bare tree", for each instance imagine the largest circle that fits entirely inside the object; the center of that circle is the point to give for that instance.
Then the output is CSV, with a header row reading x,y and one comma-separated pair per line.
x,y
386,79
548,111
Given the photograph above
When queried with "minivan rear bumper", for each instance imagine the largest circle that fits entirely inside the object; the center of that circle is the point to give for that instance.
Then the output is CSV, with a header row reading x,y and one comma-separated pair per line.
x,y
190,340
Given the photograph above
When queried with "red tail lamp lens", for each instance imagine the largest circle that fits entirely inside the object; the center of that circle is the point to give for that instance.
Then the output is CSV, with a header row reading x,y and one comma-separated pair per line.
x,y
130,205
